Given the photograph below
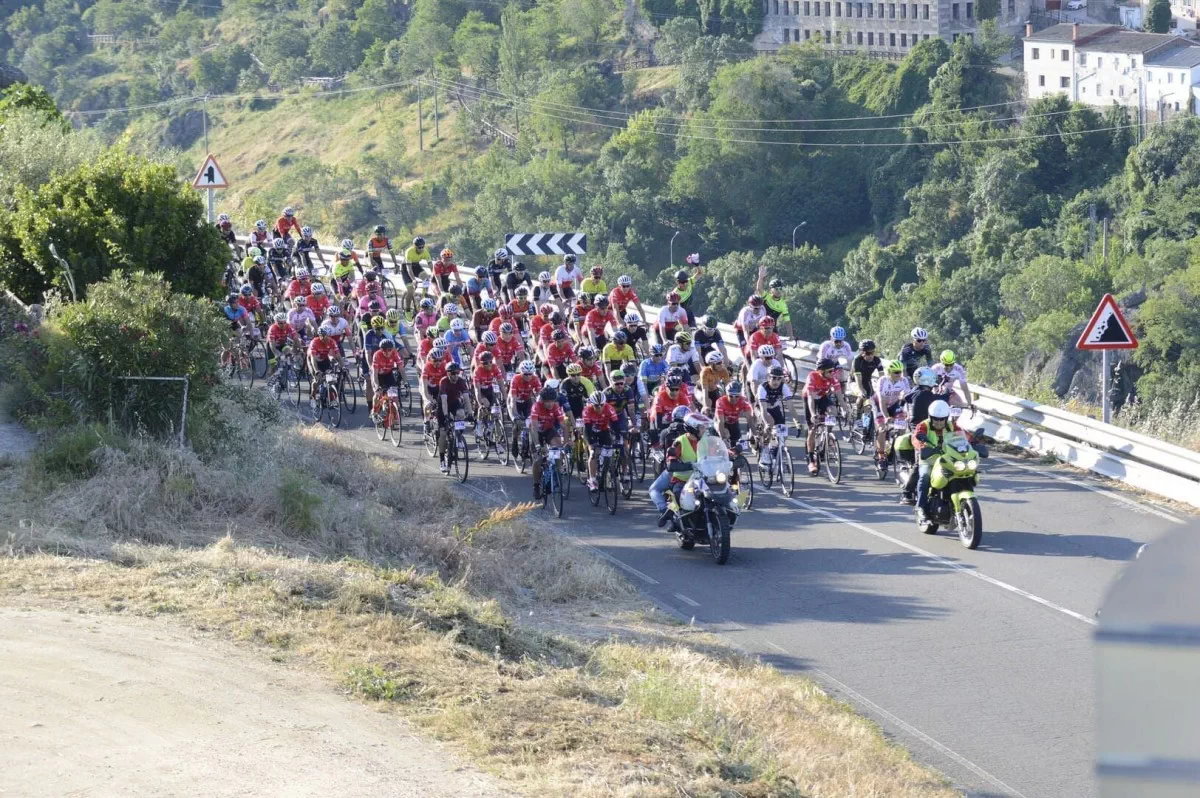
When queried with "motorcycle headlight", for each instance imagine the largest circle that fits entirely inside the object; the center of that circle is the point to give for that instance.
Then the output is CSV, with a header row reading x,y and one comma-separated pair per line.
x,y
960,466
722,479
972,464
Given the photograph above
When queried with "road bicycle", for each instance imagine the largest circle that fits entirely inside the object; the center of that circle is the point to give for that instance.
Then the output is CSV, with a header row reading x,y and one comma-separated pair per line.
x,y
554,477
243,358
775,462
608,480
280,382
492,434
387,421
327,405
826,450
741,476
458,457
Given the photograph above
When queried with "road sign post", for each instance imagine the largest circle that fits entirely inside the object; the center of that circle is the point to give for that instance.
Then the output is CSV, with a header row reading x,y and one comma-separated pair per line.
x,y
210,177
1107,330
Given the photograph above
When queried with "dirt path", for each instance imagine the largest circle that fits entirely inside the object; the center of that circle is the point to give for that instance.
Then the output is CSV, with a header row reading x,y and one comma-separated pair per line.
x,y
103,705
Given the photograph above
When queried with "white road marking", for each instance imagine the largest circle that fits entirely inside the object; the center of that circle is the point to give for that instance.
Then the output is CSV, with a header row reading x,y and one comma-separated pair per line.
x,y
780,649
991,580
687,600
1133,503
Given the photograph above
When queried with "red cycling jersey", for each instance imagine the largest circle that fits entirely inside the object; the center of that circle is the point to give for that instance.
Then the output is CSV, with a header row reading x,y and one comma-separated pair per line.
x,y
322,348
507,351
546,418
284,225
434,372
593,371
318,304
560,352
763,338
732,409
484,376
664,403
386,362
819,387
442,268
424,348
280,333
599,418
298,288
519,306
524,387
250,303
596,321
619,298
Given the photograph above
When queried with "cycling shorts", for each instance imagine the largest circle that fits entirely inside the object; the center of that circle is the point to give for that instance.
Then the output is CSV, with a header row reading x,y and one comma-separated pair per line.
x,y
488,394
823,404
597,438
775,414
323,365
385,380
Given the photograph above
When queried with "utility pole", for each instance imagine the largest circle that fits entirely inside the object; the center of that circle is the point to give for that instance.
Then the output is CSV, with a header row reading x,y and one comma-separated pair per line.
x,y
437,130
420,121
1104,245
204,116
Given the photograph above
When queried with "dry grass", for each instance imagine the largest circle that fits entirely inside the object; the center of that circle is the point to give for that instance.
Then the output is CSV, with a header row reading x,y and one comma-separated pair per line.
x,y
1177,422
462,619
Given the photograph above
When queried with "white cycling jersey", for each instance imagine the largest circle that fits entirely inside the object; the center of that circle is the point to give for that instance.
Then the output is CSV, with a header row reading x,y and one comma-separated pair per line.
x,y
299,317
677,357
955,372
890,390
749,318
759,371
666,316
340,327
835,350
572,278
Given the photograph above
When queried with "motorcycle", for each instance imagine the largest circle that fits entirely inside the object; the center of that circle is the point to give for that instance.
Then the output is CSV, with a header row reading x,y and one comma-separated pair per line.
x,y
952,501
706,509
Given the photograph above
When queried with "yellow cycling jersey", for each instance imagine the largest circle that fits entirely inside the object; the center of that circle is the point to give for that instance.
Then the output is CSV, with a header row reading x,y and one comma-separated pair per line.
x,y
612,352
414,255
343,268
591,285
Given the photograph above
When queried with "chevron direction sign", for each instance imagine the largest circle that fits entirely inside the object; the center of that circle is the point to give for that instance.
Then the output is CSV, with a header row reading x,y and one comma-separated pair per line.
x,y
546,243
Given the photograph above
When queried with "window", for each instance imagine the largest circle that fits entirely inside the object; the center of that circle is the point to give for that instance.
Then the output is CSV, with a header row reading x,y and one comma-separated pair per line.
x,y
881,10
1099,90
925,37
1177,106
785,7
787,32
807,8
1170,77
903,11
837,9
892,40
925,12
904,40
891,10
954,11
827,10
1034,54
1083,59
870,10
1132,62
858,37
1064,83
1182,78
1066,55
807,34
970,10
1121,90
860,5
1099,62
870,39
776,6
795,34
1041,80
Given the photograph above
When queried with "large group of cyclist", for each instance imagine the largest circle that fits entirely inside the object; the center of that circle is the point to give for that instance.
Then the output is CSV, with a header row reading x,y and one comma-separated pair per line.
x,y
541,363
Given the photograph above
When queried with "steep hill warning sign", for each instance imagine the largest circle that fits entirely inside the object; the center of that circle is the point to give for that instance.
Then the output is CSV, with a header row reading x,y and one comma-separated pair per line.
x,y
1107,329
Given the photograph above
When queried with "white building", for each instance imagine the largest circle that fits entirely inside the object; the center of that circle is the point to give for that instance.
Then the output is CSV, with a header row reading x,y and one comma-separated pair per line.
x,y
1103,64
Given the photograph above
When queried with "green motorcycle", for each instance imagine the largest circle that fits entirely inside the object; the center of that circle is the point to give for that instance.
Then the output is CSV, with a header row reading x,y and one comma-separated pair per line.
x,y
952,499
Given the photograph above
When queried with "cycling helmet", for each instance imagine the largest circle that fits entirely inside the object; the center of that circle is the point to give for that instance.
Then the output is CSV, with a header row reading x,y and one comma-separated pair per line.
x,y
574,369
837,333
545,309
247,290
713,358
393,315
387,345
587,353
710,322
432,332
776,372
522,291
597,399
306,231
519,266
481,272
620,337
766,322
485,357
625,281
672,298
345,254
556,318
681,276
370,277
334,311
302,274
734,389
549,394
377,322
223,219
569,259
501,254
755,301
451,309
633,318
528,367
455,289
506,312
776,283
680,413
766,352
559,335
544,277
948,357
674,381
895,367
380,229
600,301
616,375
347,243
260,260
683,337
656,350
919,334
318,288
261,224
289,211
437,353
325,330
866,345
926,377
419,242
279,243
553,384
489,338
457,325
454,368
440,341
447,253
301,301
231,299
372,288
507,329
826,364
939,411
697,423
426,304
280,318
597,270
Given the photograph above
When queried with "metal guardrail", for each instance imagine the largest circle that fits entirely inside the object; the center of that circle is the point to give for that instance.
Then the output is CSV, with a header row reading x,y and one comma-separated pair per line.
x,y
1132,458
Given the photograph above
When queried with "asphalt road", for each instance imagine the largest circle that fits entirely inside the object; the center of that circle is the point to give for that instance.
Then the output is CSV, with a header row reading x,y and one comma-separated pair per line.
x,y
979,662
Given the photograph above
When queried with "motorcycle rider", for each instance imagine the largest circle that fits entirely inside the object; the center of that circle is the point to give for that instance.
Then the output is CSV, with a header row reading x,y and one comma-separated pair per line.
x,y
928,438
918,401
681,456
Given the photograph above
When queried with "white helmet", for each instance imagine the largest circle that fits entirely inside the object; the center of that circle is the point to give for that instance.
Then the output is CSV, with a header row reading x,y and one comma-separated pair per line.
x,y
347,243
318,288
939,410
633,318
766,351
261,224
457,325
301,273
926,376
502,254
451,309
223,218
713,358
624,281
919,334
528,367
289,211
544,277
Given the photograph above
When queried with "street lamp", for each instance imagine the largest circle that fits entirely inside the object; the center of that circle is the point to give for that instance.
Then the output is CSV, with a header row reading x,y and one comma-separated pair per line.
x,y
794,229
673,248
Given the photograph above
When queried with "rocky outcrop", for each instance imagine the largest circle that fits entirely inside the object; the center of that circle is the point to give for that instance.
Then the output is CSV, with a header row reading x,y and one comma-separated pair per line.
x,y
1077,373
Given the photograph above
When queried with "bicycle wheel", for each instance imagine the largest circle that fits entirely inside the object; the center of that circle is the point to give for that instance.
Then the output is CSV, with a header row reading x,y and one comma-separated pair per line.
x,y
503,438
610,483
258,359
390,293
557,488
766,474
318,412
348,391
431,436
462,462
565,467
639,458
397,427
833,458
594,495
787,473
383,425
625,475
746,484
333,407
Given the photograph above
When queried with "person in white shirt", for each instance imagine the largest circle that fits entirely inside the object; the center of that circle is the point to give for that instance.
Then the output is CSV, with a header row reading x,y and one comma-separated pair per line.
x,y
671,319
953,375
684,355
838,350
749,317
301,318
889,398
567,279
760,369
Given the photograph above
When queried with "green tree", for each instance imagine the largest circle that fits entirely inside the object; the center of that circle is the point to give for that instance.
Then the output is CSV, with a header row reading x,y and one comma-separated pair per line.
x,y
21,97
675,36
477,44
218,70
333,50
1158,20
378,20
119,211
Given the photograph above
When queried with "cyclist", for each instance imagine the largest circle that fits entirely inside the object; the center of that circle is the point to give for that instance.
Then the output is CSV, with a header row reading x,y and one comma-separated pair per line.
x,y
952,376
449,314
520,305
557,354
543,292
377,244
567,279
915,351
427,344
260,236
522,389
670,396
887,401
318,301
619,352
670,318
515,279
445,271
249,301
256,274
540,320
623,295
285,224
475,285
918,401
374,294
651,373
599,419
509,348
458,342
748,318
708,339
592,369
760,369
453,295
928,437
488,380
431,375
822,392
729,410
386,366
623,399
838,350
546,429
307,246
338,325
300,285
497,268
301,318
772,403
597,321
712,377
577,388
372,333
225,228
684,356
454,404
481,320
635,331
426,318
775,304
764,335
322,352
685,286
396,329
344,266
594,285
866,364
277,258
413,270
279,335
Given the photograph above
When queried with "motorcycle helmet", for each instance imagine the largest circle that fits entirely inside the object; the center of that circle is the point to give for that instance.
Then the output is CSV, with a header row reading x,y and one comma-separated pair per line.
x,y
925,376
939,411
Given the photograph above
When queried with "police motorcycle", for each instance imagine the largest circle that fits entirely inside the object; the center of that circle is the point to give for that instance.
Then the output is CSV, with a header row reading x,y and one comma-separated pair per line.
x,y
706,508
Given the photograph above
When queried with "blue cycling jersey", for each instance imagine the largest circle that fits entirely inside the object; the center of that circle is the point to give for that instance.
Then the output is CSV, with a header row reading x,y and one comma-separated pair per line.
x,y
475,285
455,341
234,313
650,371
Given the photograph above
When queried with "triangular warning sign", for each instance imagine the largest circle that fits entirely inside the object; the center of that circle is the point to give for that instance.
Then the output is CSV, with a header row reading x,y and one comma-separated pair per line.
x,y
1107,329
210,175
